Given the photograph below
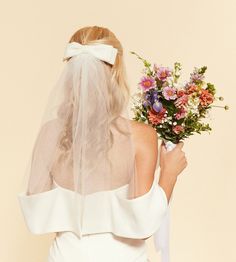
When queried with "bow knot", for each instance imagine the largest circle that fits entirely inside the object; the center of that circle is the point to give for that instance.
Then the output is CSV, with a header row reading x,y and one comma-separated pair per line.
x,y
103,52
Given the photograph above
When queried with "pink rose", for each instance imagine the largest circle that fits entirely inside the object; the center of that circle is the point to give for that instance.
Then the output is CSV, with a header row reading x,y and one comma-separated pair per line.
x,y
178,129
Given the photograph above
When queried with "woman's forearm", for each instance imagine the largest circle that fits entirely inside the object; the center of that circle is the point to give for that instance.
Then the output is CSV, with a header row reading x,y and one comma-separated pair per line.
x,y
167,182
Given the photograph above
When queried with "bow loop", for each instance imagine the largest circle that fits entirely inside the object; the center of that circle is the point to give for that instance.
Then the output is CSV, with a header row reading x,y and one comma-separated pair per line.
x,y
103,52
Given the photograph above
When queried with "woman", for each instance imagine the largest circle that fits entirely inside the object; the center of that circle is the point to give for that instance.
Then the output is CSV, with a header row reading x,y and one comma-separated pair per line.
x,y
92,175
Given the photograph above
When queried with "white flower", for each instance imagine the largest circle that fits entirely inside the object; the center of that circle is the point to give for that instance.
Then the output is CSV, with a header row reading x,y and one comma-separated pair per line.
x,y
170,80
196,100
204,85
193,105
177,85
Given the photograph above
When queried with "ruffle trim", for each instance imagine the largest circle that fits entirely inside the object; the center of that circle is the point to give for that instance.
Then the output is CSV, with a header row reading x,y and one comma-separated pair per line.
x,y
61,209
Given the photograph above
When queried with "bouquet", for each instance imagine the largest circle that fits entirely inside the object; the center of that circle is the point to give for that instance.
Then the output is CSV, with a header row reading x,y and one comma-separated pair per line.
x,y
175,110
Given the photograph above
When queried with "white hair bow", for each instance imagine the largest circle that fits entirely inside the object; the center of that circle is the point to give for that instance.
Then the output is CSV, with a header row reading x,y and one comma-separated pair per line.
x,y
103,52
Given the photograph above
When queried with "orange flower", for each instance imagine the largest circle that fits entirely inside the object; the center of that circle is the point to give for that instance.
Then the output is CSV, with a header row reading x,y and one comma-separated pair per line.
x,y
180,93
206,98
154,117
192,88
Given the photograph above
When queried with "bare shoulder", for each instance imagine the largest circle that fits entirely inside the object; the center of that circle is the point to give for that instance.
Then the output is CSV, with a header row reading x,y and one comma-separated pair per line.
x,y
146,151
144,133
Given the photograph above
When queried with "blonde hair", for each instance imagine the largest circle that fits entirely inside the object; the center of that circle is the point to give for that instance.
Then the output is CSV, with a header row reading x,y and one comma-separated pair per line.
x,y
118,98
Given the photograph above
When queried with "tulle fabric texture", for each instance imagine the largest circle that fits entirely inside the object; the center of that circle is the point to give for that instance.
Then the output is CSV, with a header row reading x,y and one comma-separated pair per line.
x,y
84,142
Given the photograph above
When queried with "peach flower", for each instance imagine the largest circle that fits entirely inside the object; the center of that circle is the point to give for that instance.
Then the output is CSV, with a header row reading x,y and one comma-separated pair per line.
x,y
206,98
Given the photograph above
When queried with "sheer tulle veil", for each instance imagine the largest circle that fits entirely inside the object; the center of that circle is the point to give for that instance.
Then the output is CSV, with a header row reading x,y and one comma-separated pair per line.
x,y
84,143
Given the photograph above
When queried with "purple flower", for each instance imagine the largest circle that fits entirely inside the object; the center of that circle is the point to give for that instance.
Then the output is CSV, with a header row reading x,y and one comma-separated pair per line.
x,y
155,95
147,96
196,76
162,72
169,93
147,83
148,99
157,106
145,103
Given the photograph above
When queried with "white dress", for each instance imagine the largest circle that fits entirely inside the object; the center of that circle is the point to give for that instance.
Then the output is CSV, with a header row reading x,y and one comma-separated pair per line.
x,y
116,232
102,247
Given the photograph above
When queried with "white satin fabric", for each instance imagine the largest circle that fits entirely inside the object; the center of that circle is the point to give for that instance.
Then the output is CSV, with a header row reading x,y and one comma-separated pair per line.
x,y
53,211
103,52
103,247
162,235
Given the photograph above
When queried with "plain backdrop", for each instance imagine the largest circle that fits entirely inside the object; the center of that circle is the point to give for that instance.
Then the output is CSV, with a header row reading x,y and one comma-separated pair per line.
x,y
195,33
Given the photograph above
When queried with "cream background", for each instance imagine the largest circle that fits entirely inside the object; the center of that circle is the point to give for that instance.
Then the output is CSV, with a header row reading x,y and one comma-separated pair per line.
x,y
33,37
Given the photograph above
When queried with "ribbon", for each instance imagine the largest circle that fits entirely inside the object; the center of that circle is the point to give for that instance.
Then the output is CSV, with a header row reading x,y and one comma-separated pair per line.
x,y
161,236
103,52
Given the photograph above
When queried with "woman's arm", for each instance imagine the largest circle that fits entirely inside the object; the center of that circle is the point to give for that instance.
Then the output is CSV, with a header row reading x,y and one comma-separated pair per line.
x,y
172,164
167,183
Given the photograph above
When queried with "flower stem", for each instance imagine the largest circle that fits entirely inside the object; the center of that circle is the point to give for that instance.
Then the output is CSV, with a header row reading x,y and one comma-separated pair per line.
x,y
225,107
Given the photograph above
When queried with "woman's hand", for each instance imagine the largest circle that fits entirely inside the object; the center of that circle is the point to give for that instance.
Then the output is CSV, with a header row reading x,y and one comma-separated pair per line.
x,y
173,162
